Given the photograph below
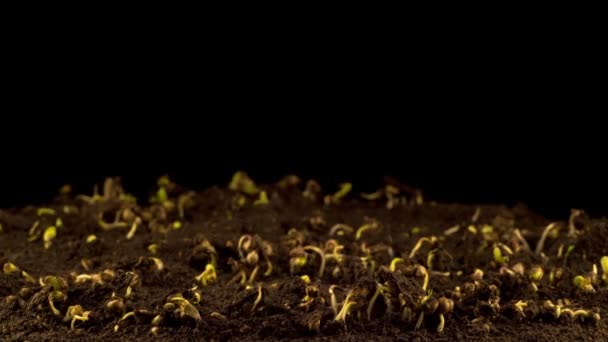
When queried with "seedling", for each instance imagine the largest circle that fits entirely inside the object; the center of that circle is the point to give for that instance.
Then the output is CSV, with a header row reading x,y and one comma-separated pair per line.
x,y
520,306
115,304
53,296
380,290
444,306
345,188
536,274
124,318
76,313
133,229
346,307
477,275
185,308
583,283
451,231
258,299
10,268
604,265
418,245
45,211
571,225
208,276
340,229
394,262
262,200
312,190
49,234
242,183
288,181
498,257
422,272
368,226
91,238
543,237
522,240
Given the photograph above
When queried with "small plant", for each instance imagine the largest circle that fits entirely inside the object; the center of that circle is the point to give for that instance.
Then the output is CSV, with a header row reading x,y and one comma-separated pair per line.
x,y
208,276
76,313
380,290
345,188
262,200
49,234
10,268
604,265
373,224
583,283
430,240
543,237
242,183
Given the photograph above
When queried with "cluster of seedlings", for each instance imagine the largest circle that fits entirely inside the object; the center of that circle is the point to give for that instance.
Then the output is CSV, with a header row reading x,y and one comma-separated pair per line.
x,y
348,273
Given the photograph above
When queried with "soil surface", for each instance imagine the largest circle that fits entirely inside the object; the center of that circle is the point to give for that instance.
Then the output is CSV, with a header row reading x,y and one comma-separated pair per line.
x,y
292,261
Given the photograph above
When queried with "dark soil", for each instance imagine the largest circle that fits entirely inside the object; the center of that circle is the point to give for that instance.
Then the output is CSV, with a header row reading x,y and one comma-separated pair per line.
x,y
141,284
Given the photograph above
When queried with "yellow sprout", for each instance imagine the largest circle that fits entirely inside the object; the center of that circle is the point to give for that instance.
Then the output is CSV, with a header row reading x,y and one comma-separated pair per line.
x,y
242,183
583,283
262,200
498,257
305,278
207,276
153,248
91,238
45,211
365,227
49,234
176,225
10,268
345,188
604,264
394,263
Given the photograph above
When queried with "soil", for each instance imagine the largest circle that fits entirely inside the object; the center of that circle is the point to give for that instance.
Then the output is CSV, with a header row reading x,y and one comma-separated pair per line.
x,y
243,263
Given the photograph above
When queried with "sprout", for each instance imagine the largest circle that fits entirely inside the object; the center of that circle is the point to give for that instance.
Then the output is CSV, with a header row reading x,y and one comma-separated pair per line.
x,y
111,225
520,306
430,240
477,275
305,278
536,273
91,238
498,257
45,211
363,228
124,317
522,240
340,229
186,308
472,229
312,190
10,268
156,320
49,234
217,315
583,283
568,252
345,188
28,277
56,295
321,255
380,289
346,307
296,263
394,262
207,276
242,183
115,304
543,237
334,302
76,313
153,248
604,265
452,230
129,292
444,306
258,299
421,272
262,200
289,180
133,229
176,225
571,226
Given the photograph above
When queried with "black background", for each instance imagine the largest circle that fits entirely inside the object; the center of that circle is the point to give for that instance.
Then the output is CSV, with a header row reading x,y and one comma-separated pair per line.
x,y
450,160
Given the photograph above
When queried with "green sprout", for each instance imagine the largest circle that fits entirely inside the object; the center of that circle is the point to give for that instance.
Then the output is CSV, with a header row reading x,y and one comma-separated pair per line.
x,y
10,268
49,234
345,188
262,200
207,276
242,183
380,290
368,226
604,265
